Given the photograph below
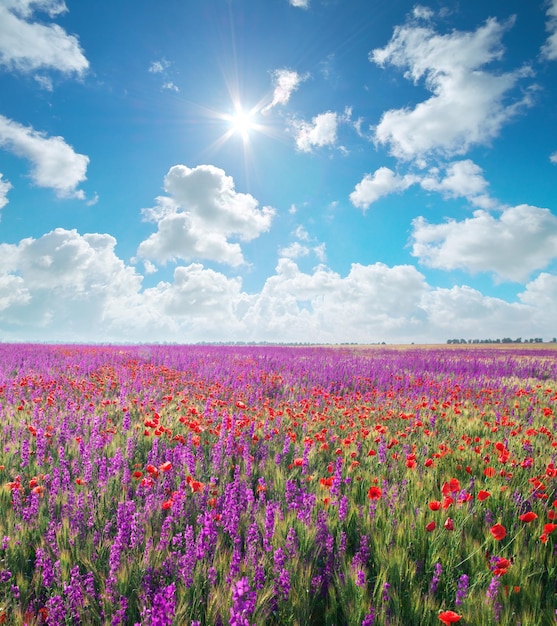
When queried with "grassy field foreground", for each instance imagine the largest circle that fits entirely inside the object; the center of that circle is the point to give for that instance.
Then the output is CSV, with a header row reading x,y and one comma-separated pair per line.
x,y
247,485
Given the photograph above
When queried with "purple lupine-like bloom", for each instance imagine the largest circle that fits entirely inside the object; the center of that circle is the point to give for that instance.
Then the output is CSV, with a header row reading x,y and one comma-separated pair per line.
x,y
291,543
56,611
74,593
462,589
5,575
243,603
437,571
369,619
361,557
342,508
269,526
120,615
493,588
164,606
385,597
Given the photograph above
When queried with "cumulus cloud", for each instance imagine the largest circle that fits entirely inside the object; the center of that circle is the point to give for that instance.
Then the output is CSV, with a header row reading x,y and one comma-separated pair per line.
x,y
27,46
553,157
5,186
321,131
64,286
207,301
523,239
303,4
285,82
54,163
202,211
463,312
549,49
381,183
462,179
469,103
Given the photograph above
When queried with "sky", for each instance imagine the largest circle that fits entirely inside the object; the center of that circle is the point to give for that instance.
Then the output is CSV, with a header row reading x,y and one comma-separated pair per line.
x,y
320,171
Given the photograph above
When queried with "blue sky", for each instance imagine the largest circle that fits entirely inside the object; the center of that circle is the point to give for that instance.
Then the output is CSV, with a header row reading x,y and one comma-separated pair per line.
x,y
286,170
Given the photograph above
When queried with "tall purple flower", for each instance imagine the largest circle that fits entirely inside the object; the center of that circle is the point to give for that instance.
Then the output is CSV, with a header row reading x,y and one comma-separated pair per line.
x,y
437,571
243,603
462,589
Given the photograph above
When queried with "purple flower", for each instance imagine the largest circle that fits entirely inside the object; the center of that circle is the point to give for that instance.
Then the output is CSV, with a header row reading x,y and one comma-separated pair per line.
x,y
243,603
437,571
462,589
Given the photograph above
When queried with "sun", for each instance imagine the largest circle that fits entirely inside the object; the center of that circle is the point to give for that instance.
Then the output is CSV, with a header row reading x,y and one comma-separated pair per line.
x,y
242,122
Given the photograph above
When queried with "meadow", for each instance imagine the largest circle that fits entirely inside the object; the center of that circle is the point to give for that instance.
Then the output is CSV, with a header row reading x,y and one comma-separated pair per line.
x,y
330,486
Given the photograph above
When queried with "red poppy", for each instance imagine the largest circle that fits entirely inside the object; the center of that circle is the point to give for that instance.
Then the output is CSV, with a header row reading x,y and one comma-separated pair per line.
x,y
501,566
450,487
483,495
430,527
498,531
449,617
166,466
489,472
434,505
167,504
549,528
196,486
374,493
449,524
528,517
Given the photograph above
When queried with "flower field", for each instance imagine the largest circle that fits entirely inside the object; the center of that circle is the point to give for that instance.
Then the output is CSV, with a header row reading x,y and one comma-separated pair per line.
x,y
208,485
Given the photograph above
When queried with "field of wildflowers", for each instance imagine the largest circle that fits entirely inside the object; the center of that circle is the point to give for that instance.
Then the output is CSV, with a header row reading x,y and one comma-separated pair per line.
x,y
166,485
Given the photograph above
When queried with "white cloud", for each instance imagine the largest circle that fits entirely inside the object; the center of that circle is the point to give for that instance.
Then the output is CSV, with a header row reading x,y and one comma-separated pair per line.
x,y
65,286
5,186
465,313
370,303
381,183
286,82
468,105
201,212
294,251
422,13
55,164
542,293
523,239
553,157
549,49
27,46
303,4
200,300
170,86
157,67
322,131
462,179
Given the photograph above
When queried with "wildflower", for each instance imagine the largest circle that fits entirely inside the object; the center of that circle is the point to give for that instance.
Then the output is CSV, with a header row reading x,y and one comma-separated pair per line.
x,y
449,524
374,493
449,617
528,517
434,505
498,531
483,495
501,566
462,589
430,527
437,571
